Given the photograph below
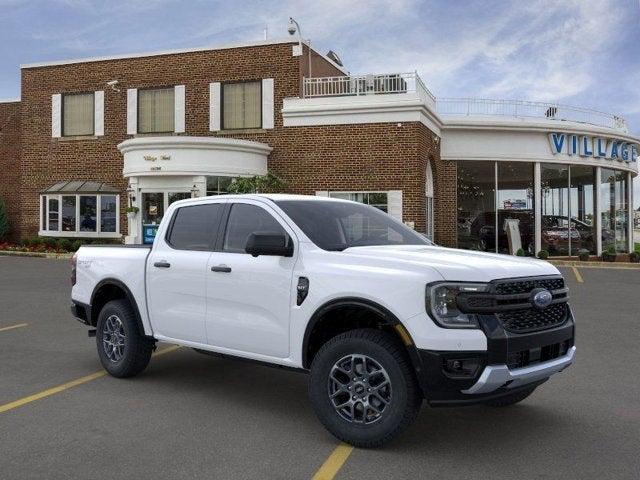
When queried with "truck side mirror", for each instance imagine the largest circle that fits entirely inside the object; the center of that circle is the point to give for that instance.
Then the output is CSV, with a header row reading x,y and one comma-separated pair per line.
x,y
269,243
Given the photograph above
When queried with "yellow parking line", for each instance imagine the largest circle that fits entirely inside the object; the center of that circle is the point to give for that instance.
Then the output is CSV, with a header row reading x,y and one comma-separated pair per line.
x,y
577,274
65,386
19,325
334,463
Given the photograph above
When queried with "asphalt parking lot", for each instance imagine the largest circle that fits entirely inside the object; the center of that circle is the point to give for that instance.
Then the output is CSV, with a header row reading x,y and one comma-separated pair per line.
x,y
193,416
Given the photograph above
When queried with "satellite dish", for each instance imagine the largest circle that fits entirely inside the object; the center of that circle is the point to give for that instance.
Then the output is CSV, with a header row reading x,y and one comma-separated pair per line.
x,y
334,56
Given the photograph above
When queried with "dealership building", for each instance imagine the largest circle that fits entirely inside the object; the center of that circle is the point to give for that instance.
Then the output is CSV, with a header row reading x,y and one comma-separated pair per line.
x,y
90,137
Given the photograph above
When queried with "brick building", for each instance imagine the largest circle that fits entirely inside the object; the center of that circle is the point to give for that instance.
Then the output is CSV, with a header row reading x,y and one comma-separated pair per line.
x,y
90,137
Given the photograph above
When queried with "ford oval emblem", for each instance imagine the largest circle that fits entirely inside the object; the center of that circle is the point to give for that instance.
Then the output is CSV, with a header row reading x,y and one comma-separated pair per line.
x,y
542,299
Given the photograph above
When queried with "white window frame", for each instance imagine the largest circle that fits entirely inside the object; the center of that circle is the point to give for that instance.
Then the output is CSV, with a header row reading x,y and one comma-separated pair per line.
x,y
78,233
94,116
332,194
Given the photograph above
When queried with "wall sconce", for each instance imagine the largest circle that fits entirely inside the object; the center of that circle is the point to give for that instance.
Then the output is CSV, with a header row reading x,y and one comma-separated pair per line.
x,y
194,191
131,192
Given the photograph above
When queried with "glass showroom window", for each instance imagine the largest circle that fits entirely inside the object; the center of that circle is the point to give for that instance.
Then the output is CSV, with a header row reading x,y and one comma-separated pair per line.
x,y
477,205
515,205
582,196
375,199
555,208
241,105
78,114
613,206
217,185
156,110
80,215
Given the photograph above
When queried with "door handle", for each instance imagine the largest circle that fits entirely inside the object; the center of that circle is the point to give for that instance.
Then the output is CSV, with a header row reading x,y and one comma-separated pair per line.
x,y
162,264
221,269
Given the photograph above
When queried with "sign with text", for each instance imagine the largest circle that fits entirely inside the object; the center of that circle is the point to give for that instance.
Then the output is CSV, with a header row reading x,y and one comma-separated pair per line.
x,y
596,147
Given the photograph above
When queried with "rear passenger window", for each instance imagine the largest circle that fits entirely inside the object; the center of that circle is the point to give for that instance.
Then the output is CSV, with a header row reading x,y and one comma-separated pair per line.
x,y
244,220
194,228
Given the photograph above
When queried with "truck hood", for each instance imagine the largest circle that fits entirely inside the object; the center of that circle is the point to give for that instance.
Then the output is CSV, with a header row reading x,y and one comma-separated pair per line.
x,y
458,265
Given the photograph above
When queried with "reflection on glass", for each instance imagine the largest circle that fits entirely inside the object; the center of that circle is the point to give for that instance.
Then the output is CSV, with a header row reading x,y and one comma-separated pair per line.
x,y
69,214
87,214
375,199
555,208
217,185
175,196
108,213
516,223
613,206
152,208
476,205
53,213
581,207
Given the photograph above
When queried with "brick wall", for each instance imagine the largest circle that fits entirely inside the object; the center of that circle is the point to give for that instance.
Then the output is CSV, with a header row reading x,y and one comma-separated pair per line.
x,y
340,157
9,160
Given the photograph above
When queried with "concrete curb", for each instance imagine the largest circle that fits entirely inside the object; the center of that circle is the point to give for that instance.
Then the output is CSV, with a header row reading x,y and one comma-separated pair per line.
x,y
577,263
54,256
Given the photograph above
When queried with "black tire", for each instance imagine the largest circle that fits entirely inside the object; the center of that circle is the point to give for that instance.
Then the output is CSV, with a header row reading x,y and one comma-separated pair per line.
x,y
510,399
404,399
133,357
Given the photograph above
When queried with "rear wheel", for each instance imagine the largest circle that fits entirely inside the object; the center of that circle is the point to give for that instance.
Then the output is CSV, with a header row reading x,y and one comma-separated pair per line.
x,y
123,351
510,399
363,388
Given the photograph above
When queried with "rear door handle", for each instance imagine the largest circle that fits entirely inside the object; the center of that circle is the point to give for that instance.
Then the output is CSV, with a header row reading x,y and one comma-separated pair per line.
x,y
162,264
221,269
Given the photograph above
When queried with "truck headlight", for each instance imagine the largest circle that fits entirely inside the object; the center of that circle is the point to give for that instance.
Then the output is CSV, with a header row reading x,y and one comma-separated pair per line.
x,y
442,304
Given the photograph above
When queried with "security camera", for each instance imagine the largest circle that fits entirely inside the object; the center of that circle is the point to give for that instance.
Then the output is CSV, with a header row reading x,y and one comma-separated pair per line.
x,y
112,84
292,27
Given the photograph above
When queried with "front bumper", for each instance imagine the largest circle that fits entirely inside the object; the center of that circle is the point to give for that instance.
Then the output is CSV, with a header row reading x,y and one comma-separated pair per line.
x,y
496,376
511,362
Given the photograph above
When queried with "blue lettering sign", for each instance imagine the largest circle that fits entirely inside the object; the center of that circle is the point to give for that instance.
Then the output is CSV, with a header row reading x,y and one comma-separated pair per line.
x,y
634,153
557,142
586,147
573,146
614,150
601,147
624,151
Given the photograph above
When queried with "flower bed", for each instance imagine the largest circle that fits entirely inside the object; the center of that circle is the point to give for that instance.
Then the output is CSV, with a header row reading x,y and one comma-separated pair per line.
x,y
50,245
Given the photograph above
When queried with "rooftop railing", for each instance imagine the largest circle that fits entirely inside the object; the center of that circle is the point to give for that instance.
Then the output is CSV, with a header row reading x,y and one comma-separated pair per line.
x,y
526,109
400,83
356,85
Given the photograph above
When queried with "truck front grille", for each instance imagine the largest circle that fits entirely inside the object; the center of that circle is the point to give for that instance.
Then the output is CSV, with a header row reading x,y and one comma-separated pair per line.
x,y
514,287
532,319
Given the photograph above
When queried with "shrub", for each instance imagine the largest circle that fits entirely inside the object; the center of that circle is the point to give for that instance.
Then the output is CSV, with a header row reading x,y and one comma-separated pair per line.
x,y
543,254
76,245
634,257
609,255
520,252
50,242
64,244
27,242
583,254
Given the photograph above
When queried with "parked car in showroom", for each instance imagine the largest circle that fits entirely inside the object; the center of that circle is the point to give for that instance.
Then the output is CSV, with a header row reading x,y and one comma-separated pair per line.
x,y
381,318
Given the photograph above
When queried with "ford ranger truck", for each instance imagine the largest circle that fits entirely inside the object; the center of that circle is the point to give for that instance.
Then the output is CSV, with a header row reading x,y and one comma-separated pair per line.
x,y
380,317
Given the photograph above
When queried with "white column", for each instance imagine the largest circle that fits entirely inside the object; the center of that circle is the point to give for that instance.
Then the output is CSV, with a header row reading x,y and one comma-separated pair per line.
x,y
630,212
134,228
598,210
537,205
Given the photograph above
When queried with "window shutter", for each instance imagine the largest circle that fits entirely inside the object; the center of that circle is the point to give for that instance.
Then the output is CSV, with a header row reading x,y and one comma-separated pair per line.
x,y
132,111
394,203
179,99
322,193
98,112
267,103
215,112
56,115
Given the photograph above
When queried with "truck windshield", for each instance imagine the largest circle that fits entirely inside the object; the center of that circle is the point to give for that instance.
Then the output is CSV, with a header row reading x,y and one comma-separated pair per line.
x,y
335,225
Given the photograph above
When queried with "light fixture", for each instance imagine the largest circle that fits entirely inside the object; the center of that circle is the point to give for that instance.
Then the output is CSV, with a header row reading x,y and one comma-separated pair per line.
x,y
292,29
194,191
131,193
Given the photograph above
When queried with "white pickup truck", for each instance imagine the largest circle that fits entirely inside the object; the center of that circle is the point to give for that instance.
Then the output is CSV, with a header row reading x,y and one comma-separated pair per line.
x,y
379,316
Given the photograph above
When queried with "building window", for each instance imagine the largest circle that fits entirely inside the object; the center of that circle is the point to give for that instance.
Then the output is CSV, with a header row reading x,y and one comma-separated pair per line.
x,y
218,185
241,105
430,219
614,210
78,114
75,215
375,199
156,110
477,205
516,222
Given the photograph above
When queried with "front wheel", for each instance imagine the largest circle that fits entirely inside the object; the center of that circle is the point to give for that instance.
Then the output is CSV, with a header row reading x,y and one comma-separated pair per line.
x,y
123,351
363,388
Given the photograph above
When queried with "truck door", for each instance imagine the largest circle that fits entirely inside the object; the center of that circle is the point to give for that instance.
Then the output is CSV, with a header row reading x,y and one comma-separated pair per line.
x,y
249,298
177,272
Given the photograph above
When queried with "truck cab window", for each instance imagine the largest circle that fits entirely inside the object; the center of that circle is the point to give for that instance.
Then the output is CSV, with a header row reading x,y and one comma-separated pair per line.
x,y
244,220
194,228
